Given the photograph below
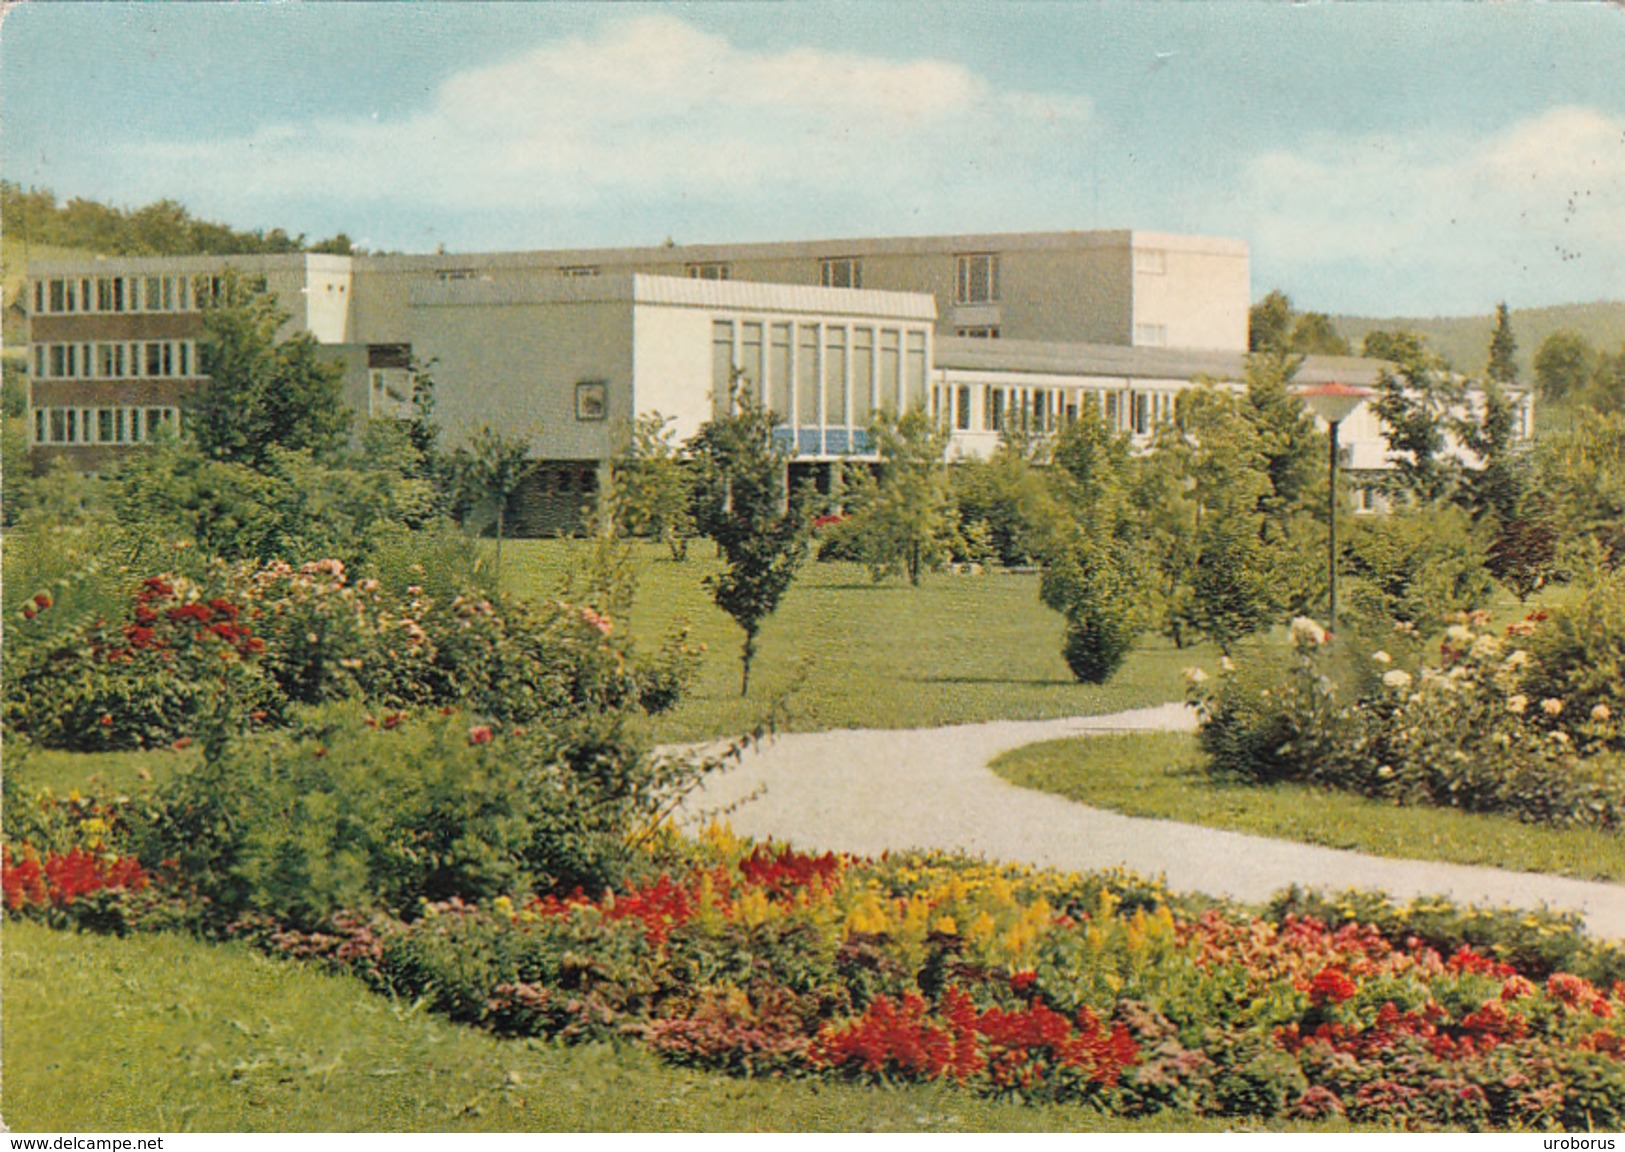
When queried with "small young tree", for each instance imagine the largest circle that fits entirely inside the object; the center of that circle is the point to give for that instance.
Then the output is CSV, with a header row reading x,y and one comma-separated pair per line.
x,y
743,503
262,393
905,518
489,470
1415,404
654,486
1503,363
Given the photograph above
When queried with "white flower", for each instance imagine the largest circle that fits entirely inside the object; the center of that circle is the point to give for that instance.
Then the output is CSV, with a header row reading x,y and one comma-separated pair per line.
x,y
1397,678
1486,647
1384,772
1195,675
1381,658
1306,632
1551,706
1601,713
1226,664
1458,634
1516,704
1517,660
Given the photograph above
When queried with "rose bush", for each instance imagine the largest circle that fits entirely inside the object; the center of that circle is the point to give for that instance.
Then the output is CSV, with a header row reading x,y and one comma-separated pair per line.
x,y
1472,731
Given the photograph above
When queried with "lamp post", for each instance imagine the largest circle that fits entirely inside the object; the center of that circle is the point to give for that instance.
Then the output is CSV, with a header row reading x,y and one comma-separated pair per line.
x,y
1333,403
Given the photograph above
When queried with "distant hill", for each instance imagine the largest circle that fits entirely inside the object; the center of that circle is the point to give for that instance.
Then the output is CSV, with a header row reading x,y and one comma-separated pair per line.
x,y
1465,340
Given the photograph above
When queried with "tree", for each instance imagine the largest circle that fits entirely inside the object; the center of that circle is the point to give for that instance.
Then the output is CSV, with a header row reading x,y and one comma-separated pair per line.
x,y
904,517
1269,323
263,393
1094,562
488,471
1582,471
1564,364
1273,325
1416,405
654,486
1503,363
743,503
1398,345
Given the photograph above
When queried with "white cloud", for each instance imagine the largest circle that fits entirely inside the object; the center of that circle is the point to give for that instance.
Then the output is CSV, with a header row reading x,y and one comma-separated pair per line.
x,y
645,109
1426,221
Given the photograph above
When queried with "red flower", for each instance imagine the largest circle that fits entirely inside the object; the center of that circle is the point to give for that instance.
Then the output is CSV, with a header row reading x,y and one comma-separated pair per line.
x,y
1332,986
106,721
479,734
42,600
182,744
1022,981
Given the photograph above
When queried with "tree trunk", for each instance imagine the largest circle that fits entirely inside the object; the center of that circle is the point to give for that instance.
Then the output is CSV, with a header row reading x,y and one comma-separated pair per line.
x,y
746,657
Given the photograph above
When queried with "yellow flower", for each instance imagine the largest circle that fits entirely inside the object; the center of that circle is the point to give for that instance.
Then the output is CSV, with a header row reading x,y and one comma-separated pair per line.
x,y
1551,706
945,925
1601,713
1516,704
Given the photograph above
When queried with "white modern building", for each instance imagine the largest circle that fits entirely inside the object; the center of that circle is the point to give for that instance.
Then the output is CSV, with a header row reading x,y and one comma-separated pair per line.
x,y
567,347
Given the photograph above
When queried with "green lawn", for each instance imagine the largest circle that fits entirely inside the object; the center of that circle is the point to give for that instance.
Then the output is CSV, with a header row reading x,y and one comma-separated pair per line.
x,y
166,1033
1161,775
848,653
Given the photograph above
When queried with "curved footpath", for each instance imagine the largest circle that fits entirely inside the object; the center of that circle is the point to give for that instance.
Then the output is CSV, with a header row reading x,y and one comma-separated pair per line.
x,y
867,791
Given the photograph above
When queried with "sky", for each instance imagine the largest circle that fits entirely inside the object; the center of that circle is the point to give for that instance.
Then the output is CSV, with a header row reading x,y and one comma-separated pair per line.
x,y
1417,158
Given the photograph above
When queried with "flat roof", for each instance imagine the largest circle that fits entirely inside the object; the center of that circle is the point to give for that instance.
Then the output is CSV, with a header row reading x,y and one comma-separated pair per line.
x,y
676,291
962,353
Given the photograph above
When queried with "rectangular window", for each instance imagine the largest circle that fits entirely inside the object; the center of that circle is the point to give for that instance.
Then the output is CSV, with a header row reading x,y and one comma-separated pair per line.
x,y
1040,410
59,360
73,360
962,408
841,272
186,357
778,364
1142,413
574,271
915,380
181,287
156,418
118,425
978,279
1151,335
59,425
722,360
73,426
169,294
71,291
155,359
807,390
863,376
891,374
59,296
985,332
39,296
39,361
834,375
1150,261
135,425
995,411
104,294
169,358
708,271
592,400
750,351
118,294
104,425
39,425
84,294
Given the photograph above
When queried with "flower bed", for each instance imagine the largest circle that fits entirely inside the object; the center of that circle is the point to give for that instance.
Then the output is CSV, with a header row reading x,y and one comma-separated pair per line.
x,y
1100,989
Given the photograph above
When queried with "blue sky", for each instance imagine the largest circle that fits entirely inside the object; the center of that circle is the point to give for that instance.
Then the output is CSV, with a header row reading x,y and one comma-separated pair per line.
x,y
1384,158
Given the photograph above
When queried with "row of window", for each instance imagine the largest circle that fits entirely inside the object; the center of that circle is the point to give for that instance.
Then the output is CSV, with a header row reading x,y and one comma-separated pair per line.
x,y
124,294
1050,409
132,359
976,276
815,374
101,425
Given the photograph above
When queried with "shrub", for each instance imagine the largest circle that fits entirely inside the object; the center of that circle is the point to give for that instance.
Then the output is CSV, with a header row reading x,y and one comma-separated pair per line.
x,y
248,643
1465,733
1578,656
352,812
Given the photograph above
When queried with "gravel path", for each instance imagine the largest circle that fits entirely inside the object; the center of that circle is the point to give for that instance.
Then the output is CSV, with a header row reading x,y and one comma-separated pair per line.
x,y
867,791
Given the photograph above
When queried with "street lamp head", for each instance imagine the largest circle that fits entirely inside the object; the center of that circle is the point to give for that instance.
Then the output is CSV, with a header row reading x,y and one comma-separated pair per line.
x,y
1334,402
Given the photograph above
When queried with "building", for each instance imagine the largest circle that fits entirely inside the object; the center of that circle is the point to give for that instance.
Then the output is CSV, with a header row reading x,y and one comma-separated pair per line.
x,y
567,347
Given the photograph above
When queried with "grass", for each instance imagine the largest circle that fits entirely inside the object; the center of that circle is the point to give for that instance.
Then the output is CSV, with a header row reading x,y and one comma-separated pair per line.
x,y
1161,775
848,653
166,1033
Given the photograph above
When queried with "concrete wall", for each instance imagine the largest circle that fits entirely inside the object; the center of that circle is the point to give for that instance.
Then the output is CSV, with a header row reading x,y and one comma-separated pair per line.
x,y
671,362
1199,298
515,367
